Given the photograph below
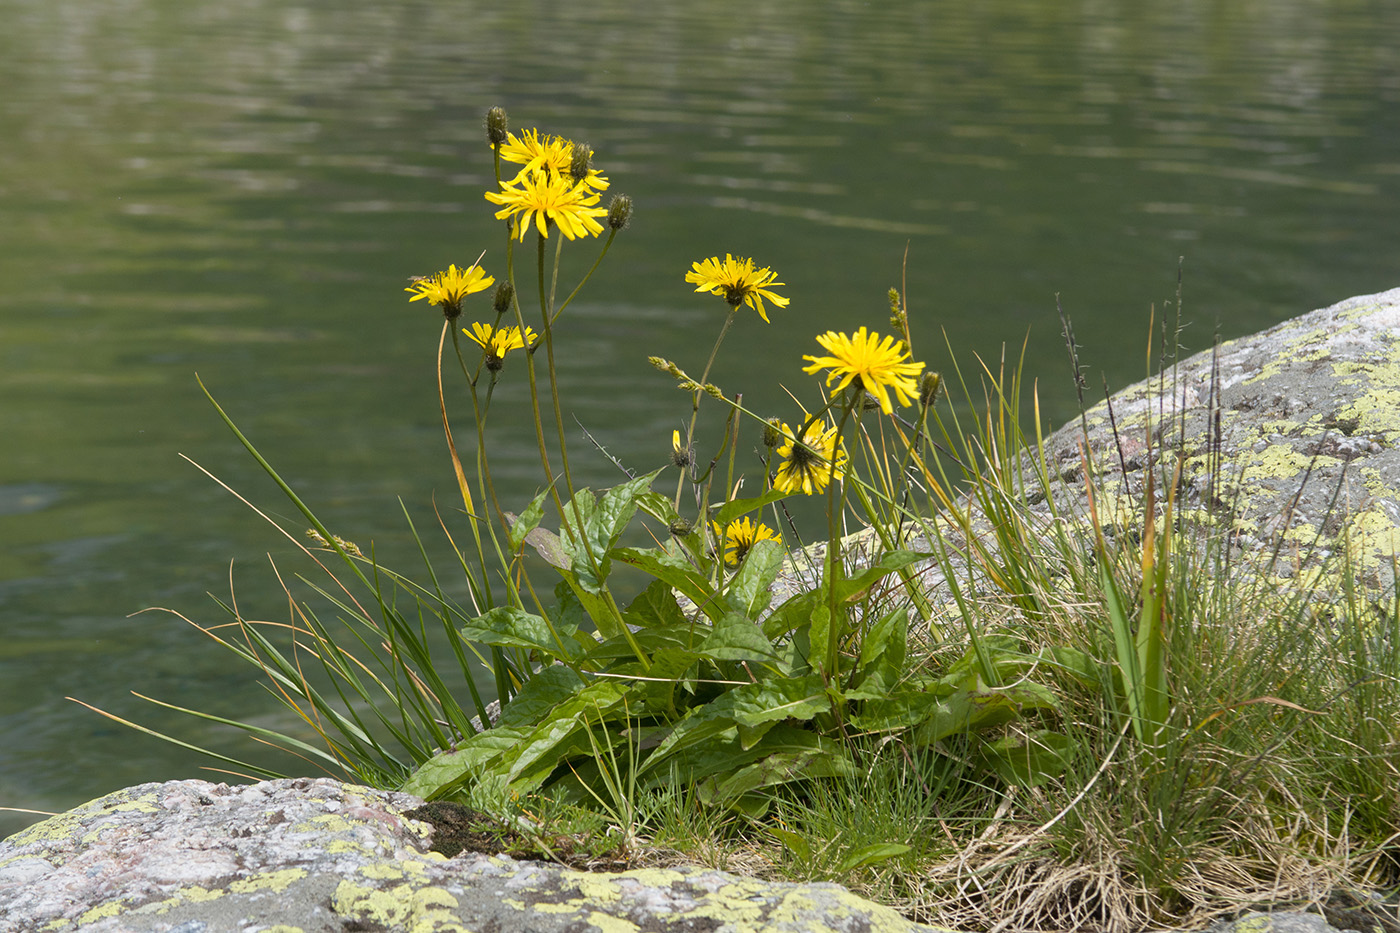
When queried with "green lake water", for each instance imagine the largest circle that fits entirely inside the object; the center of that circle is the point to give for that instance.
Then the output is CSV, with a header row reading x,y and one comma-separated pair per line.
x,y
240,190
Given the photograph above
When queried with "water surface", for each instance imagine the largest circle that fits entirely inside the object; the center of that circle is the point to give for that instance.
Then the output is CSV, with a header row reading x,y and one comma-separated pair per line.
x,y
239,190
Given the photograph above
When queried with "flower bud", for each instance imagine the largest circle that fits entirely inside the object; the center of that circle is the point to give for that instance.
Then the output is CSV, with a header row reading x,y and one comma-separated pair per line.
x,y
772,433
680,453
868,401
619,211
928,388
680,528
505,294
581,162
497,127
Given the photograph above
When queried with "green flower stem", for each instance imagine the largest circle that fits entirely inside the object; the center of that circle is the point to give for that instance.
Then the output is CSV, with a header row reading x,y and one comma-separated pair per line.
x,y
835,568
607,244
695,397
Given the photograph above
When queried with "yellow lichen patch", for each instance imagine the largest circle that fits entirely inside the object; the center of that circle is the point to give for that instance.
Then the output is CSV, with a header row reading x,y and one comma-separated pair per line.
x,y
277,881
283,928
607,924
1304,348
67,825
342,846
413,910
103,911
1277,461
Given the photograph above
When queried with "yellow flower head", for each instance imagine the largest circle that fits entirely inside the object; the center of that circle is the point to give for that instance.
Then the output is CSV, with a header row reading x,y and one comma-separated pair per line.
x,y
807,462
554,154
740,536
447,289
737,281
498,341
877,362
546,196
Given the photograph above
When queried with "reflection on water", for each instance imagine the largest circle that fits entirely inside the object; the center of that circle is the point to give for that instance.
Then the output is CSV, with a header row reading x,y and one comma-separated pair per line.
x,y
240,190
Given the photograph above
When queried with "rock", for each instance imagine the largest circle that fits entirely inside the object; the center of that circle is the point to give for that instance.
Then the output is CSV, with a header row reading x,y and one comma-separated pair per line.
x,y
1289,441
318,855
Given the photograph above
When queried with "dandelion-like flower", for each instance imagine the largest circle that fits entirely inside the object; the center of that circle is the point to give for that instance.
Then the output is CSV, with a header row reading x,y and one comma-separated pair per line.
x,y
544,197
498,341
807,461
447,289
877,362
740,536
555,154
737,282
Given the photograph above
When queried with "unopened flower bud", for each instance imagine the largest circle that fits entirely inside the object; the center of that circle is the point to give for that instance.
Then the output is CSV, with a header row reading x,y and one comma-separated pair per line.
x,y
680,453
680,528
868,401
619,211
772,433
505,294
928,388
581,162
497,126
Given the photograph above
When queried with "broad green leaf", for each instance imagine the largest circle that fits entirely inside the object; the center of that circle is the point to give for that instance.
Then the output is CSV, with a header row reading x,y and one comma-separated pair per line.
x,y
510,627
873,854
674,568
736,638
738,508
443,773
973,706
794,842
1028,760
542,693
749,589
654,606
528,521
792,615
854,588
789,754
561,735
880,667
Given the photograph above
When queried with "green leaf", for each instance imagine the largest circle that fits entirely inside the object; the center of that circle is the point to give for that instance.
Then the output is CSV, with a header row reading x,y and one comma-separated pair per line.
x,y
528,521
873,854
880,667
444,773
674,567
790,755
509,627
1028,760
541,694
796,843
854,588
792,615
749,589
973,706
654,606
736,638
738,508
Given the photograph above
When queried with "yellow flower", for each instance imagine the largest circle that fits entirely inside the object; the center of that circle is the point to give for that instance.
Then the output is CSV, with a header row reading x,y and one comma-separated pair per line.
x,y
737,281
447,289
552,153
807,462
546,197
498,341
875,361
740,536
